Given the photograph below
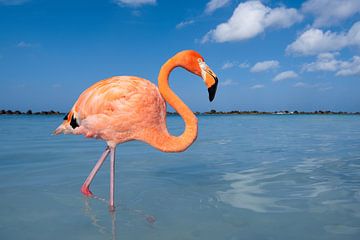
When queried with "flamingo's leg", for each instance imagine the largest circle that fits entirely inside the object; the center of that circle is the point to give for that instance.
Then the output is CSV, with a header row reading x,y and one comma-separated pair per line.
x,y
85,187
112,178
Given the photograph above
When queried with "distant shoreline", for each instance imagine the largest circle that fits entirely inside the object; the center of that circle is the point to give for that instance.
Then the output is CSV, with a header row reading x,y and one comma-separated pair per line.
x,y
319,112
29,112
212,112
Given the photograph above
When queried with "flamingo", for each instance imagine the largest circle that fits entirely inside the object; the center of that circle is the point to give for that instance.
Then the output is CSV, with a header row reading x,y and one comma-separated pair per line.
x,y
126,108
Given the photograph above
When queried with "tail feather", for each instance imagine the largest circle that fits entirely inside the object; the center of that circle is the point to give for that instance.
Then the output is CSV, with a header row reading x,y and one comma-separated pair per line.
x,y
60,129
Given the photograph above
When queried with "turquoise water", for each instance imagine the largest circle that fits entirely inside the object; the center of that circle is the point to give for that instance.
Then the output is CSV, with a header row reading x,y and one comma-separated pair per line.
x,y
246,177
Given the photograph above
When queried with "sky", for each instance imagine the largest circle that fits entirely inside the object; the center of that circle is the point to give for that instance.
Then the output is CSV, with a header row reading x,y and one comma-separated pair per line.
x,y
268,55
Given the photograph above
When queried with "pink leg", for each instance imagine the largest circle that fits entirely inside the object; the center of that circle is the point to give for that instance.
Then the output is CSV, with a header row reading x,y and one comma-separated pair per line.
x,y
112,178
85,187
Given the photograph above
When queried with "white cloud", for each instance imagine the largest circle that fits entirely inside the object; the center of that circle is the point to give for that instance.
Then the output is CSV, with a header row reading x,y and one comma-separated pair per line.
x,y
228,82
23,44
285,75
300,85
350,68
12,2
324,62
328,62
228,65
330,12
265,65
318,86
315,41
325,88
231,64
250,19
135,3
257,86
244,65
213,5
184,24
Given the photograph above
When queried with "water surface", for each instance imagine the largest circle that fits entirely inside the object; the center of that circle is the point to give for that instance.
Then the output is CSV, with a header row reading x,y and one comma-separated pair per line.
x,y
246,177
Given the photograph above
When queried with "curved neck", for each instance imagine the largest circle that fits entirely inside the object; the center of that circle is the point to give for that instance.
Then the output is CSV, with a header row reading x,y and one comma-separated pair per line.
x,y
166,142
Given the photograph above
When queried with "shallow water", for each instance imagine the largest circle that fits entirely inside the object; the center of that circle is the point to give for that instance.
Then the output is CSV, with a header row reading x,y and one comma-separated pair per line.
x,y
246,177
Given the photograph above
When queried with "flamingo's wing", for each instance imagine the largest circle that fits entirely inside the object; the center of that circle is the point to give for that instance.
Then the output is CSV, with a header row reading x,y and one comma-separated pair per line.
x,y
119,104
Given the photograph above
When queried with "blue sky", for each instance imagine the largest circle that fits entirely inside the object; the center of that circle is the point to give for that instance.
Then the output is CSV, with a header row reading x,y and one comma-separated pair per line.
x,y
268,55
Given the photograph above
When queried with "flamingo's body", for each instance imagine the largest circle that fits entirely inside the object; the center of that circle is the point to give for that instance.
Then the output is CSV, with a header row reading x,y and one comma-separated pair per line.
x,y
120,109
126,108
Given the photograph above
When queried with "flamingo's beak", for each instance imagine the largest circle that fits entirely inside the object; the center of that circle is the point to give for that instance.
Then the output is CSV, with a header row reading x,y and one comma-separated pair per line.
x,y
210,80
212,89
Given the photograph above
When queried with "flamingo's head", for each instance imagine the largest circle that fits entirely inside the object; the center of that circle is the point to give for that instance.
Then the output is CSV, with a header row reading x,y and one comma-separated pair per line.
x,y
194,62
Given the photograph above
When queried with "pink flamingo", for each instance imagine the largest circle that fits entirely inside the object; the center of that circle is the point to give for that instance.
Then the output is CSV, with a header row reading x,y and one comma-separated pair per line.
x,y
125,108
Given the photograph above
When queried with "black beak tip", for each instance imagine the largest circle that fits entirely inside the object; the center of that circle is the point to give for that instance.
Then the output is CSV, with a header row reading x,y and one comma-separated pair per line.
x,y
211,97
212,90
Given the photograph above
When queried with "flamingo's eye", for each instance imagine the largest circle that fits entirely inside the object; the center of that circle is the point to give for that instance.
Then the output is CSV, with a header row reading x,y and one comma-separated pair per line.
x,y
202,65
